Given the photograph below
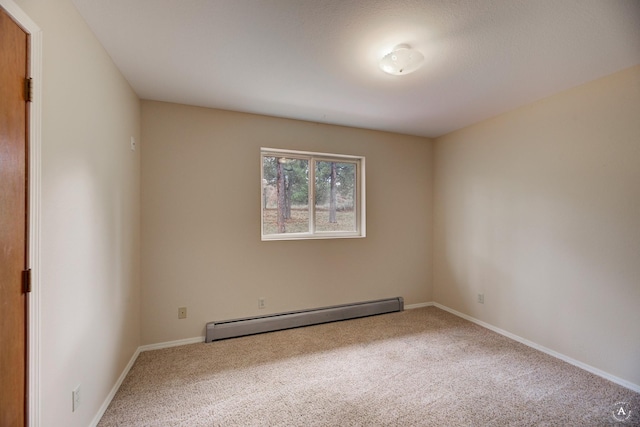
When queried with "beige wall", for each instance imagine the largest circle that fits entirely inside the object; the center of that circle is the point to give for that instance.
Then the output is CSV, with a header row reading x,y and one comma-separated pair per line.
x,y
90,322
201,221
539,209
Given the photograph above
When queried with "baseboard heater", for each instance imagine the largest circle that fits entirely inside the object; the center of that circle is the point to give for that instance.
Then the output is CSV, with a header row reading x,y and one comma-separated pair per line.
x,y
295,319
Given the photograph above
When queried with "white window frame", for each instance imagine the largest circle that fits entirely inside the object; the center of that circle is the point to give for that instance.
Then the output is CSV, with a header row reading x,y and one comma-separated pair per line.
x,y
312,157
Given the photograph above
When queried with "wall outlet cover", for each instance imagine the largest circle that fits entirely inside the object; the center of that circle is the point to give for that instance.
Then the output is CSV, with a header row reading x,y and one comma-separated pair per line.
x,y
182,312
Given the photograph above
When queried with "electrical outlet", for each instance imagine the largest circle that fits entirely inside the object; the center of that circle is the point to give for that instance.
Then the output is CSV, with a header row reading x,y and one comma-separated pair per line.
x,y
262,303
133,144
75,396
481,298
182,312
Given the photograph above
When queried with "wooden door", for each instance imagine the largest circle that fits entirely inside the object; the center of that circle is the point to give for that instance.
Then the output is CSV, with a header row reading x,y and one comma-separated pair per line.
x,y
13,222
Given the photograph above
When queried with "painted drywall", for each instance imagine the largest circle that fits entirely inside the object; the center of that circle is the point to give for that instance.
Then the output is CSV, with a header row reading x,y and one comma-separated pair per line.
x,y
201,246
539,210
90,231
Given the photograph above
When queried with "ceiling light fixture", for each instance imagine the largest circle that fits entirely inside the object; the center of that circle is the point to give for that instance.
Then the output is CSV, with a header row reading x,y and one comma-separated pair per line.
x,y
401,60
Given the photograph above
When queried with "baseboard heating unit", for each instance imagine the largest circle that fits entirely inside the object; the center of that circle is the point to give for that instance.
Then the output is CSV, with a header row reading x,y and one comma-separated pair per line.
x,y
295,319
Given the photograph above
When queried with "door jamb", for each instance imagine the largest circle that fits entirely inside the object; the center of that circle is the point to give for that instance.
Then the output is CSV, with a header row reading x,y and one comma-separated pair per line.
x,y
33,257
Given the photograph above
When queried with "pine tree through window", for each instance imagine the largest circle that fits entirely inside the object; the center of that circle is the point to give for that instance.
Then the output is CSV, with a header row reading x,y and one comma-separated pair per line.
x,y
311,195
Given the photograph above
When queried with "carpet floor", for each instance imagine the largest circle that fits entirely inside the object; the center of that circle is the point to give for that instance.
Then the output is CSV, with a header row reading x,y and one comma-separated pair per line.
x,y
420,367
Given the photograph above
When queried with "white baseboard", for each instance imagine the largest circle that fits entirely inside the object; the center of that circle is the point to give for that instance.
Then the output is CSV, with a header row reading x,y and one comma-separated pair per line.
x,y
581,365
168,344
114,389
419,305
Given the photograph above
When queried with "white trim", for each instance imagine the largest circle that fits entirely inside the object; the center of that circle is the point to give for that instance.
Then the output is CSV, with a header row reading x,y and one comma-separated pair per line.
x,y
574,362
168,344
35,143
419,305
363,197
20,17
295,153
35,168
114,389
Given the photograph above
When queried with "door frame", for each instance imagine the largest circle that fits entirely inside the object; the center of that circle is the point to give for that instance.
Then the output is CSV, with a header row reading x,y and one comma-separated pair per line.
x,y
33,257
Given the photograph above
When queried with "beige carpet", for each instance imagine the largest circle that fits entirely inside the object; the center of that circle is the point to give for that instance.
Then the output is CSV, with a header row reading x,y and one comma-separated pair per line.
x,y
422,367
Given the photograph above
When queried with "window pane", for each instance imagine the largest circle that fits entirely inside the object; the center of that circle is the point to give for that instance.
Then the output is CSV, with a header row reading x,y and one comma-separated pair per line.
x,y
285,192
335,196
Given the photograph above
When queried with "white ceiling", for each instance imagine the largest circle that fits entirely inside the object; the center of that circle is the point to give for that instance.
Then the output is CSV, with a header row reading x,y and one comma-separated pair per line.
x,y
317,60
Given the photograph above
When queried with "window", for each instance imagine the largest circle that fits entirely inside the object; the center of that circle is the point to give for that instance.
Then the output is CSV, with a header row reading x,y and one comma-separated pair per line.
x,y
311,195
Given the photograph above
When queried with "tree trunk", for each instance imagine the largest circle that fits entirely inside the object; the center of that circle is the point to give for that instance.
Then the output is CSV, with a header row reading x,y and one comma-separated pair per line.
x,y
332,196
281,197
287,197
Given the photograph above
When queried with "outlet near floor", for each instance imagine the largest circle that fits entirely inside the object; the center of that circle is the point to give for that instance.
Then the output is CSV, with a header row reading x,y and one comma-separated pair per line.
x,y
481,298
182,312
262,302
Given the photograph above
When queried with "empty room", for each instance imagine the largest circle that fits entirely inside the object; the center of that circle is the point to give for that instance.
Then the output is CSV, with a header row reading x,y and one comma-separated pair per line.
x,y
320,213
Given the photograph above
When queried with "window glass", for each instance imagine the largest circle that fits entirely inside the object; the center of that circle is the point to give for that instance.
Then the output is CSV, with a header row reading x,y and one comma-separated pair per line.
x,y
286,195
335,197
311,195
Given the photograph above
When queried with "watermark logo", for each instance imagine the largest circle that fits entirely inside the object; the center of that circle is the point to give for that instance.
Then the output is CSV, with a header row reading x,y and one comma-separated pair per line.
x,y
621,411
